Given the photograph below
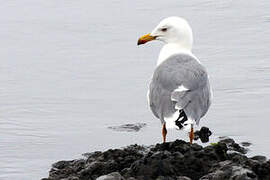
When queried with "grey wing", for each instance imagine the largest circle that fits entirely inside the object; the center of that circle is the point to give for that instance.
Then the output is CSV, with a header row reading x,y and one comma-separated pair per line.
x,y
180,83
194,102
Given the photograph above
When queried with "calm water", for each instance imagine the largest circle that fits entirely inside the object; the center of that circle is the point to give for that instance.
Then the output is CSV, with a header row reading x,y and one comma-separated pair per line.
x,y
69,69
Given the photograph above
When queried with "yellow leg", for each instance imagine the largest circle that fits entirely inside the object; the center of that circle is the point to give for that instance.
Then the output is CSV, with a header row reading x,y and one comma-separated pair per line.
x,y
164,132
191,134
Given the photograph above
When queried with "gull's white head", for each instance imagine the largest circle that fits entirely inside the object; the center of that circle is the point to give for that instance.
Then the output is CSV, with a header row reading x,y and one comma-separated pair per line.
x,y
171,30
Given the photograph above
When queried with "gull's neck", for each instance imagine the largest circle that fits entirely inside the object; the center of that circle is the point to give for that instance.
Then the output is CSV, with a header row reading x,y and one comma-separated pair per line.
x,y
170,49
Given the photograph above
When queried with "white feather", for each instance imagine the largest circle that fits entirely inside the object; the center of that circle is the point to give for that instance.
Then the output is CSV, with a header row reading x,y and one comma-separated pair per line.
x,y
181,89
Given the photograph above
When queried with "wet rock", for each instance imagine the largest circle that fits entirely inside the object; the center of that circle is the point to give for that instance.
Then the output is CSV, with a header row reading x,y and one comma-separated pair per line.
x,y
111,176
128,127
64,169
131,178
232,146
164,178
263,170
71,178
229,170
259,158
182,178
177,160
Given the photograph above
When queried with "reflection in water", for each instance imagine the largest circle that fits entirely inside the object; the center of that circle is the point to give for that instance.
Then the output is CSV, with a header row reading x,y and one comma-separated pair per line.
x,y
128,127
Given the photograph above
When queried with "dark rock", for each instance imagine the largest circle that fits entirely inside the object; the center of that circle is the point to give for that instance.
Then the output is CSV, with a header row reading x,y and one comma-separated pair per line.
x,y
232,146
111,176
61,164
131,178
263,170
93,155
71,178
203,134
63,169
164,178
259,158
182,178
177,160
229,170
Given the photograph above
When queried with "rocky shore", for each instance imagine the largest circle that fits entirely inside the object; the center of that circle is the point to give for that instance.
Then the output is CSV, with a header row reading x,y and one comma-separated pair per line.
x,y
176,160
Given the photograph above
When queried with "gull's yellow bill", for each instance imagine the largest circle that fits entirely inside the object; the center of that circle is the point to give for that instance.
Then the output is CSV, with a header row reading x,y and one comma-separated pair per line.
x,y
145,38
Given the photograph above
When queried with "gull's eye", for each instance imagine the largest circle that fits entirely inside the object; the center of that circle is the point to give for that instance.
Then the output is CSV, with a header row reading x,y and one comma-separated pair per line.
x,y
164,29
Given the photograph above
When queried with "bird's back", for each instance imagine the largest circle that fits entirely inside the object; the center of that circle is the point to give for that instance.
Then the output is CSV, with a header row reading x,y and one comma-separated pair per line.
x,y
180,82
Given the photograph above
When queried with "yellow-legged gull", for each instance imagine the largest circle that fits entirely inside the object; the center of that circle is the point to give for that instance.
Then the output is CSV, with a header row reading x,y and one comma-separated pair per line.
x,y
179,93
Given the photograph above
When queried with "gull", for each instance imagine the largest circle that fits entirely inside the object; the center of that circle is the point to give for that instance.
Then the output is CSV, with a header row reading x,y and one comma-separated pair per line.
x,y
179,92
